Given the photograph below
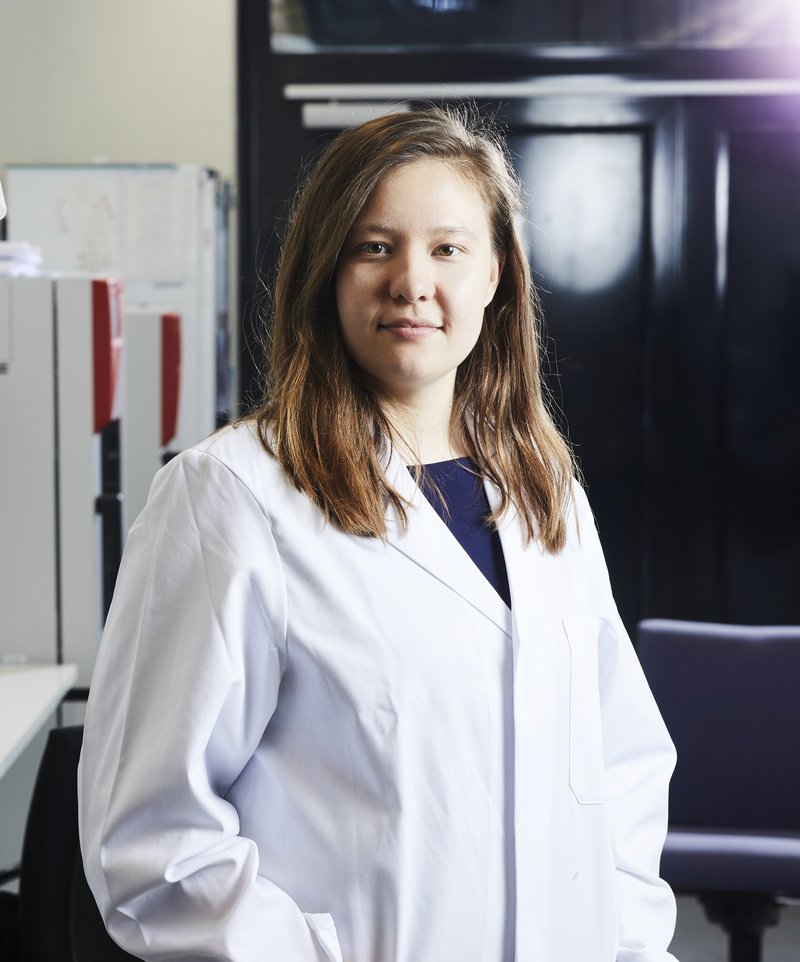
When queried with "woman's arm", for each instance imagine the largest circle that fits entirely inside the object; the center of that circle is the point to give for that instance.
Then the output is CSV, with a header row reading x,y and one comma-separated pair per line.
x,y
639,760
186,681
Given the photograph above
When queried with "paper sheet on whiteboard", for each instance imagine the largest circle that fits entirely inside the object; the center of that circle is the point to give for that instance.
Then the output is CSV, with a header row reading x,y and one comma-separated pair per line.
x,y
140,223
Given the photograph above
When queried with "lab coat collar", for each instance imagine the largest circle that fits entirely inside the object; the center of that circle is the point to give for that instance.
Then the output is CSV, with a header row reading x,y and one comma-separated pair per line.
x,y
427,541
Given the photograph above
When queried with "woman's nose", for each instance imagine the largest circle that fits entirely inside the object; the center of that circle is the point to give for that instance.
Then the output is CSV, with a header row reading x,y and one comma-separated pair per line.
x,y
412,277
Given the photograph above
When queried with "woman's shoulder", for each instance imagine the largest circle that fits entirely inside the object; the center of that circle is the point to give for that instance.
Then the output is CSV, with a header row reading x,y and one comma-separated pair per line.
x,y
237,446
234,455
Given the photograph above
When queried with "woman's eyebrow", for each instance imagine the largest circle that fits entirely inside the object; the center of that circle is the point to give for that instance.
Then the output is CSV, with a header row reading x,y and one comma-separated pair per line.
x,y
454,230
370,229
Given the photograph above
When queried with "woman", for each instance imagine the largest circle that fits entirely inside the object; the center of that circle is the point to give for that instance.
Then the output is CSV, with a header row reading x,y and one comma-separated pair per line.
x,y
336,715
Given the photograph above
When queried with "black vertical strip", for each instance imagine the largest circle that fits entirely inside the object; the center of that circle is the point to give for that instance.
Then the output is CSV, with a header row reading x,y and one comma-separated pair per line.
x,y
646,298
663,512
109,506
258,92
699,478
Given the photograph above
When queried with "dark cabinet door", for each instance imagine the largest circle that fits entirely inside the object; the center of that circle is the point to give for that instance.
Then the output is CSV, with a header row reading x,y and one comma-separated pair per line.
x,y
752,439
761,377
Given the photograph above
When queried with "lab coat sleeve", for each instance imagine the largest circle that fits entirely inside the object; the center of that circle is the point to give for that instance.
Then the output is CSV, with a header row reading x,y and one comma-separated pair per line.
x,y
186,681
639,759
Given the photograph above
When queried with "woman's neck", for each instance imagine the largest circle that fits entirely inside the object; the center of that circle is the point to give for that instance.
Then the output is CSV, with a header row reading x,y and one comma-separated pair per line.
x,y
423,430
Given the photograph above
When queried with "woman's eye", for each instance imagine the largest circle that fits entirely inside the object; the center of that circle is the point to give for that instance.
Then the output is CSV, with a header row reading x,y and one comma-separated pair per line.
x,y
373,247
447,250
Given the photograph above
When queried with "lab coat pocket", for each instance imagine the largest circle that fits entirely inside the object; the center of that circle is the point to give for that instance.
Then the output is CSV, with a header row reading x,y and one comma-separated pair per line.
x,y
324,931
586,772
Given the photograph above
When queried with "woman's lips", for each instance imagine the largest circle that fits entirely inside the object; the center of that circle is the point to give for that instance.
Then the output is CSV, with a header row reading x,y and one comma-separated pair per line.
x,y
410,329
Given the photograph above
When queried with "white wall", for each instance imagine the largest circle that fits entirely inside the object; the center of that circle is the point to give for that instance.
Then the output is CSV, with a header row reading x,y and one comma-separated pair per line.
x,y
118,80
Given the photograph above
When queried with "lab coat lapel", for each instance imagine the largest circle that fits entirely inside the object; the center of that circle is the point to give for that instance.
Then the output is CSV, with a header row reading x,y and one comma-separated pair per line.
x,y
534,593
427,541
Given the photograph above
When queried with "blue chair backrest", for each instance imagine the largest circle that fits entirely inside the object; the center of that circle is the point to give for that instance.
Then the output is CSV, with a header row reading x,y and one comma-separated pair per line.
x,y
730,697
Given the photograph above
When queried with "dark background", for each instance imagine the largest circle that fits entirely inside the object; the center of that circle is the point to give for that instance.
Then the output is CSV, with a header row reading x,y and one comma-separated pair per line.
x,y
664,235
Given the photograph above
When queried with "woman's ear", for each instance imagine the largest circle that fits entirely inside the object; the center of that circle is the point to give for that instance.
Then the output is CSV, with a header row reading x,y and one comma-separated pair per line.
x,y
498,263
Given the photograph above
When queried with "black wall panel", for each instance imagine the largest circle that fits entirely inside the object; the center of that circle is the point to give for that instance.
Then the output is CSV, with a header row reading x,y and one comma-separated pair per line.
x,y
761,375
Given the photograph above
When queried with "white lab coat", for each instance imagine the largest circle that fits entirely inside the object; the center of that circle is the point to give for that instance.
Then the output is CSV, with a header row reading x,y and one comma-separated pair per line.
x,y
294,740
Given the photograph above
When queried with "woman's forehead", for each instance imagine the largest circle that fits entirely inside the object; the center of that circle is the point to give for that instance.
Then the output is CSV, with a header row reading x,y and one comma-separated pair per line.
x,y
432,192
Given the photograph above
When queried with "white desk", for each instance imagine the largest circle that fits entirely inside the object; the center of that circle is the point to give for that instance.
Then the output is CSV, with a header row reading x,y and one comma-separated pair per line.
x,y
29,694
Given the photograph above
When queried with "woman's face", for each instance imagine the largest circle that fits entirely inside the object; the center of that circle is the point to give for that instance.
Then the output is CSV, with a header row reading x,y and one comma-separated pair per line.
x,y
413,279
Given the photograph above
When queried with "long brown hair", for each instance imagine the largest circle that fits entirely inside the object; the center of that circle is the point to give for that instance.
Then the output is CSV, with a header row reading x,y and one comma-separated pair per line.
x,y
318,419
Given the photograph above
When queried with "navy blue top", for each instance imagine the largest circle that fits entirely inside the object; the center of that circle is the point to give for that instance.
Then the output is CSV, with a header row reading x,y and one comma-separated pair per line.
x,y
462,492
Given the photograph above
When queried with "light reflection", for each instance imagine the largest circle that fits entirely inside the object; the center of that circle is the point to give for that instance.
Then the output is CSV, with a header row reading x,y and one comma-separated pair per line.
x,y
721,202
446,6
741,23
586,205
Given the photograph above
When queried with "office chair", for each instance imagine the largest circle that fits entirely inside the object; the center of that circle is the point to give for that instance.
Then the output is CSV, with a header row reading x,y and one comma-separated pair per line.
x,y
58,918
729,697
